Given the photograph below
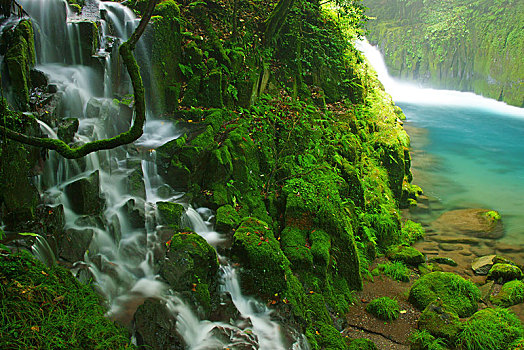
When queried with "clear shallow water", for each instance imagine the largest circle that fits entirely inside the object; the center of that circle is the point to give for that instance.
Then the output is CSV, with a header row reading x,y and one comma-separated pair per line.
x,y
468,151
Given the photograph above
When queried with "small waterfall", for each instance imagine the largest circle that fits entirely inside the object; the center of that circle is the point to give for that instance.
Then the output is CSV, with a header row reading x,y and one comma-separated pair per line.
x,y
124,239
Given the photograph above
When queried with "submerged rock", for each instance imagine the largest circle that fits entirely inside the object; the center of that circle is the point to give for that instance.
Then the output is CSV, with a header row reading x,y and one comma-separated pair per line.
x,y
481,223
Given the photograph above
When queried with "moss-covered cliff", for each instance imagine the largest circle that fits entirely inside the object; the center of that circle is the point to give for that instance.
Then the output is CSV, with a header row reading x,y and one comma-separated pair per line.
x,y
468,45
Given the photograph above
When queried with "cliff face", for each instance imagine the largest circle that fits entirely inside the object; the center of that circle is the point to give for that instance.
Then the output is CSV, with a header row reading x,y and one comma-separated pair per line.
x,y
459,44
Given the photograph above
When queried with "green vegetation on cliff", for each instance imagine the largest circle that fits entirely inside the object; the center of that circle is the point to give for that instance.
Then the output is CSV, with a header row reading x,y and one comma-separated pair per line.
x,y
469,45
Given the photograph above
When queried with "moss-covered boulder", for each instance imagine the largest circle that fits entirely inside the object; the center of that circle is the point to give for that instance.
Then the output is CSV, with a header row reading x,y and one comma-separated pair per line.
x,y
510,294
384,308
504,272
191,268
227,219
67,129
169,213
458,294
47,308
492,329
406,254
441,321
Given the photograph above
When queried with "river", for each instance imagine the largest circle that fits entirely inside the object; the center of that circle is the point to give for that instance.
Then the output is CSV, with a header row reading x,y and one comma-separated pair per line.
x,y
467,150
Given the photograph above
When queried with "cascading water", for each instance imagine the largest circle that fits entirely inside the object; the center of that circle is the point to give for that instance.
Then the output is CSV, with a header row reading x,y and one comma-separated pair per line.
x,y
122,242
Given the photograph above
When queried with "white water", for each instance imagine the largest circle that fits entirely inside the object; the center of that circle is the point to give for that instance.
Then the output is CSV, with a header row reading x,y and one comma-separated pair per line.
x,y
122,251
411,93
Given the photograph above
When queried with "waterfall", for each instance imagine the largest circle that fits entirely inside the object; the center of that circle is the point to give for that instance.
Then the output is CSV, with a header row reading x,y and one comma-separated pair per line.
x,y
122,241
409,92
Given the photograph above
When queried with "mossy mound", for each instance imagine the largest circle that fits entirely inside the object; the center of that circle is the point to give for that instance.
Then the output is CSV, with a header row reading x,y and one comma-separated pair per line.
x,y
460,295
504,272
47,308
441,321
362,344
227,219
511,293
492,329
170,213
406,254
412,232
384,308
396,270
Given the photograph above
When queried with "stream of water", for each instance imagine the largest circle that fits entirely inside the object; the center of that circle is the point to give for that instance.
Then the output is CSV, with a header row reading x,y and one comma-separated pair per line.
x,y
468,150
122,248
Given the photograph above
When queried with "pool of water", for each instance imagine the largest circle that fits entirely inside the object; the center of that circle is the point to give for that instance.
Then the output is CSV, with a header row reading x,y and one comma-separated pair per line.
x,y
467,150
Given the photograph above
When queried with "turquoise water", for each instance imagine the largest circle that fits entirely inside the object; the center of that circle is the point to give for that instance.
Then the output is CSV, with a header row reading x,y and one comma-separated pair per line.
x,y
468,157
468,151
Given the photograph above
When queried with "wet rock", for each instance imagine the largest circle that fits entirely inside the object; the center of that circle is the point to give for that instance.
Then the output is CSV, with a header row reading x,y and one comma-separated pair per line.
x,y
458,239
482,223
136,213
485,290
84,194
449,247
504,272
441,321
52,88
93,108
67,129
508,248
135,179
155,327
74,244
243,340
38,79
406,254
86,41
482,265
443,261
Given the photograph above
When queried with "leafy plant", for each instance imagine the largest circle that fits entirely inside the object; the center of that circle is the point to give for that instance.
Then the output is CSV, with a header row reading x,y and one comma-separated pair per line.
x,y
384,308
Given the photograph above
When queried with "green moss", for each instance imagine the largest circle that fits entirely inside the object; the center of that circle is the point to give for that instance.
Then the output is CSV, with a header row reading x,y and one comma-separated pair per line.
x,y
384,308
396,270
504,272
47,308
459,294
227,219
423,340
511,293
441,321
490,329
406,254
362,344
170,213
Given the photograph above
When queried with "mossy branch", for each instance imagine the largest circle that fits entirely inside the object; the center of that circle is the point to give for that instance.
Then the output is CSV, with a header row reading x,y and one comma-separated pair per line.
x,y
136,130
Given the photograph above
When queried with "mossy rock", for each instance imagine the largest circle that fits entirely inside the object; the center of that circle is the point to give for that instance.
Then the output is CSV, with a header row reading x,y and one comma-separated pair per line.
x,y
512,293
362,344
504,272
264,264
426,268
227,218
460,295
441,321
191,268
170,213
490,329
384,308
155,326
406,254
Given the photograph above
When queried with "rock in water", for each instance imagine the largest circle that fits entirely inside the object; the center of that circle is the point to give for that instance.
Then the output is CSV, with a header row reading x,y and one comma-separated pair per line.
x,y
481,223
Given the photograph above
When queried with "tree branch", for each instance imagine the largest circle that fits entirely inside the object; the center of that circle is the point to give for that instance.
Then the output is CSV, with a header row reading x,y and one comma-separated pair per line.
x,y
136,130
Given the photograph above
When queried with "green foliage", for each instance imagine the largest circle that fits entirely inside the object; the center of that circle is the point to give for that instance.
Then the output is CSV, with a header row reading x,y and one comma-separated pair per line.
x,y
459,294
384,308
47,308
396,270
490,329
362,344
412,232
423,340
